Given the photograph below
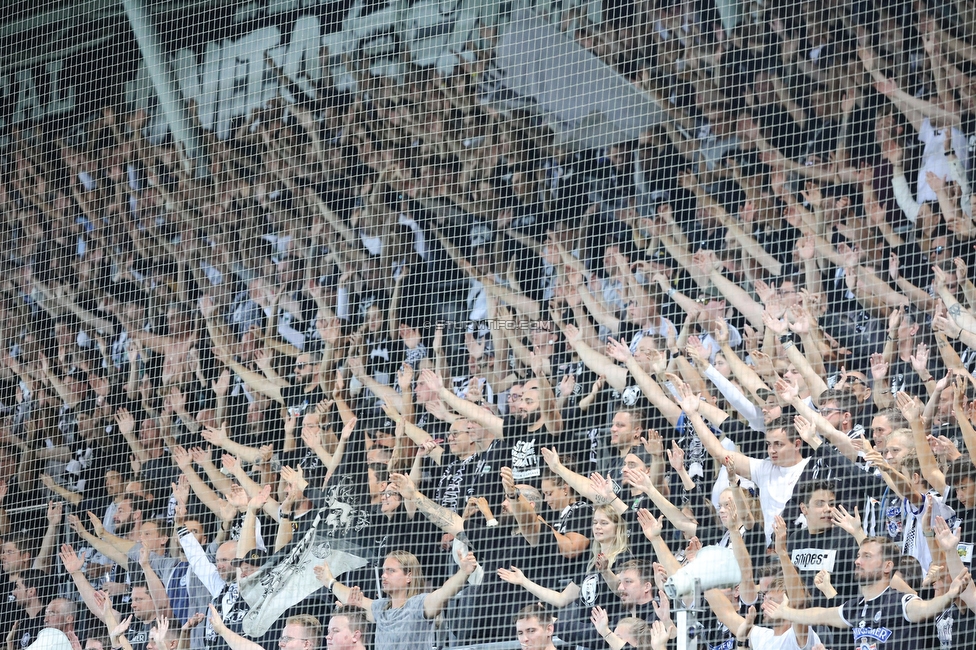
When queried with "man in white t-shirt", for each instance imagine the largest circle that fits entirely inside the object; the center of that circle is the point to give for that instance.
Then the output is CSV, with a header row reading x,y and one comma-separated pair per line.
x,y
775,476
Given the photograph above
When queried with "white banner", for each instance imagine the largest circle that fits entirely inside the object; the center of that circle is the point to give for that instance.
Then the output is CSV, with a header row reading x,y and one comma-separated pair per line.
x,y
601,106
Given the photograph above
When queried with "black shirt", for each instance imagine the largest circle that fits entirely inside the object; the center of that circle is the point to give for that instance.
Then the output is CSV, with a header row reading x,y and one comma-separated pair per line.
x,y
881,623
526,457
29,628
457,480
834,551
498,601
577,517
573,624
298,401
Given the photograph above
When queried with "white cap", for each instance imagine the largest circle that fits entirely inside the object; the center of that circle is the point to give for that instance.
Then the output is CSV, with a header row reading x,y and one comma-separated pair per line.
x,y
50,639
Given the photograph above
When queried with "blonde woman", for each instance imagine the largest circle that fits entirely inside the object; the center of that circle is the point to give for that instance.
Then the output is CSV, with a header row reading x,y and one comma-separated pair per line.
x,y
597,587
405,617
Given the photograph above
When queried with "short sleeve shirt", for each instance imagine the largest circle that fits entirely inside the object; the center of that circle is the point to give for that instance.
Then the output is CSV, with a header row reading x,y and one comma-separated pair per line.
x,y
882,623
775,487
406,628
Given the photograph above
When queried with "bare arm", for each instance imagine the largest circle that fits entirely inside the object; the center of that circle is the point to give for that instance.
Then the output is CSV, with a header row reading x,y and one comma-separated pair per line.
x,y
434,603
447,520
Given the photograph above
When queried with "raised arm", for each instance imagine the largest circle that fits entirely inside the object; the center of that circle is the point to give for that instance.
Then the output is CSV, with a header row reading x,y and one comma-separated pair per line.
x,y
347,596
108,550
650,388
220,507
43,560
928,464
447,520
255,381
467,410
598,363
219,438
811,616
73,565
689,404
917,610
157,591
547,400
557,599
435,602
234,640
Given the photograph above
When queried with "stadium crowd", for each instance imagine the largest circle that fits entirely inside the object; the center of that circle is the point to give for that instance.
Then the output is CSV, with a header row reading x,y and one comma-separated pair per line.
x,y
403,370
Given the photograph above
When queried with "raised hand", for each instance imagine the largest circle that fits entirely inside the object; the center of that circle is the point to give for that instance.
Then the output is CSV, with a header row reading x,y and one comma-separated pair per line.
x,y
96,523
779,534
617,350
686,399
697,353
125,421
676,457
72,563
748,621
193,621
323,573
908,406
431,379
600,620
603,487
182,457
54,512
846,521
404,486
221,385
786,391
947,538
468,563
216,437
355,598
216,622
879,367
513,576
920,360
651,527
551,457
653,443
805,429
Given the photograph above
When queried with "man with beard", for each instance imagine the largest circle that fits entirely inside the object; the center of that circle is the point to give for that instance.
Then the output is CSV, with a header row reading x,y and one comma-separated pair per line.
x,y
15,557
31,594
534,423
880,614
481,612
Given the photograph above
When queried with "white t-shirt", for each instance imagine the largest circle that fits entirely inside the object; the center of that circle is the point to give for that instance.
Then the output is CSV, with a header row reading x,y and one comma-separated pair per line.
x,y
933,157
775,487
763,638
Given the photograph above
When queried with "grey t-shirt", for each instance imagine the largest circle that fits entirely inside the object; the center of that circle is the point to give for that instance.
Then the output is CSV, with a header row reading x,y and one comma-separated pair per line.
x,y
403,629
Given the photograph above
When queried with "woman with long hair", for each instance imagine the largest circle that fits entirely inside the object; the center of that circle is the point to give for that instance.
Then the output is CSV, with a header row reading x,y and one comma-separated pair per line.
x,y
405,617
598,585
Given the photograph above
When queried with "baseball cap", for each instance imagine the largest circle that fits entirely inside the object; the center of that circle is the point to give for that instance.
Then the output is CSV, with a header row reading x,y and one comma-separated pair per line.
x,y
254,557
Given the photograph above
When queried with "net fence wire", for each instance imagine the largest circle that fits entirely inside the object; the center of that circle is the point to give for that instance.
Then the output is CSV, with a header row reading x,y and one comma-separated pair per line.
x,y
487,325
